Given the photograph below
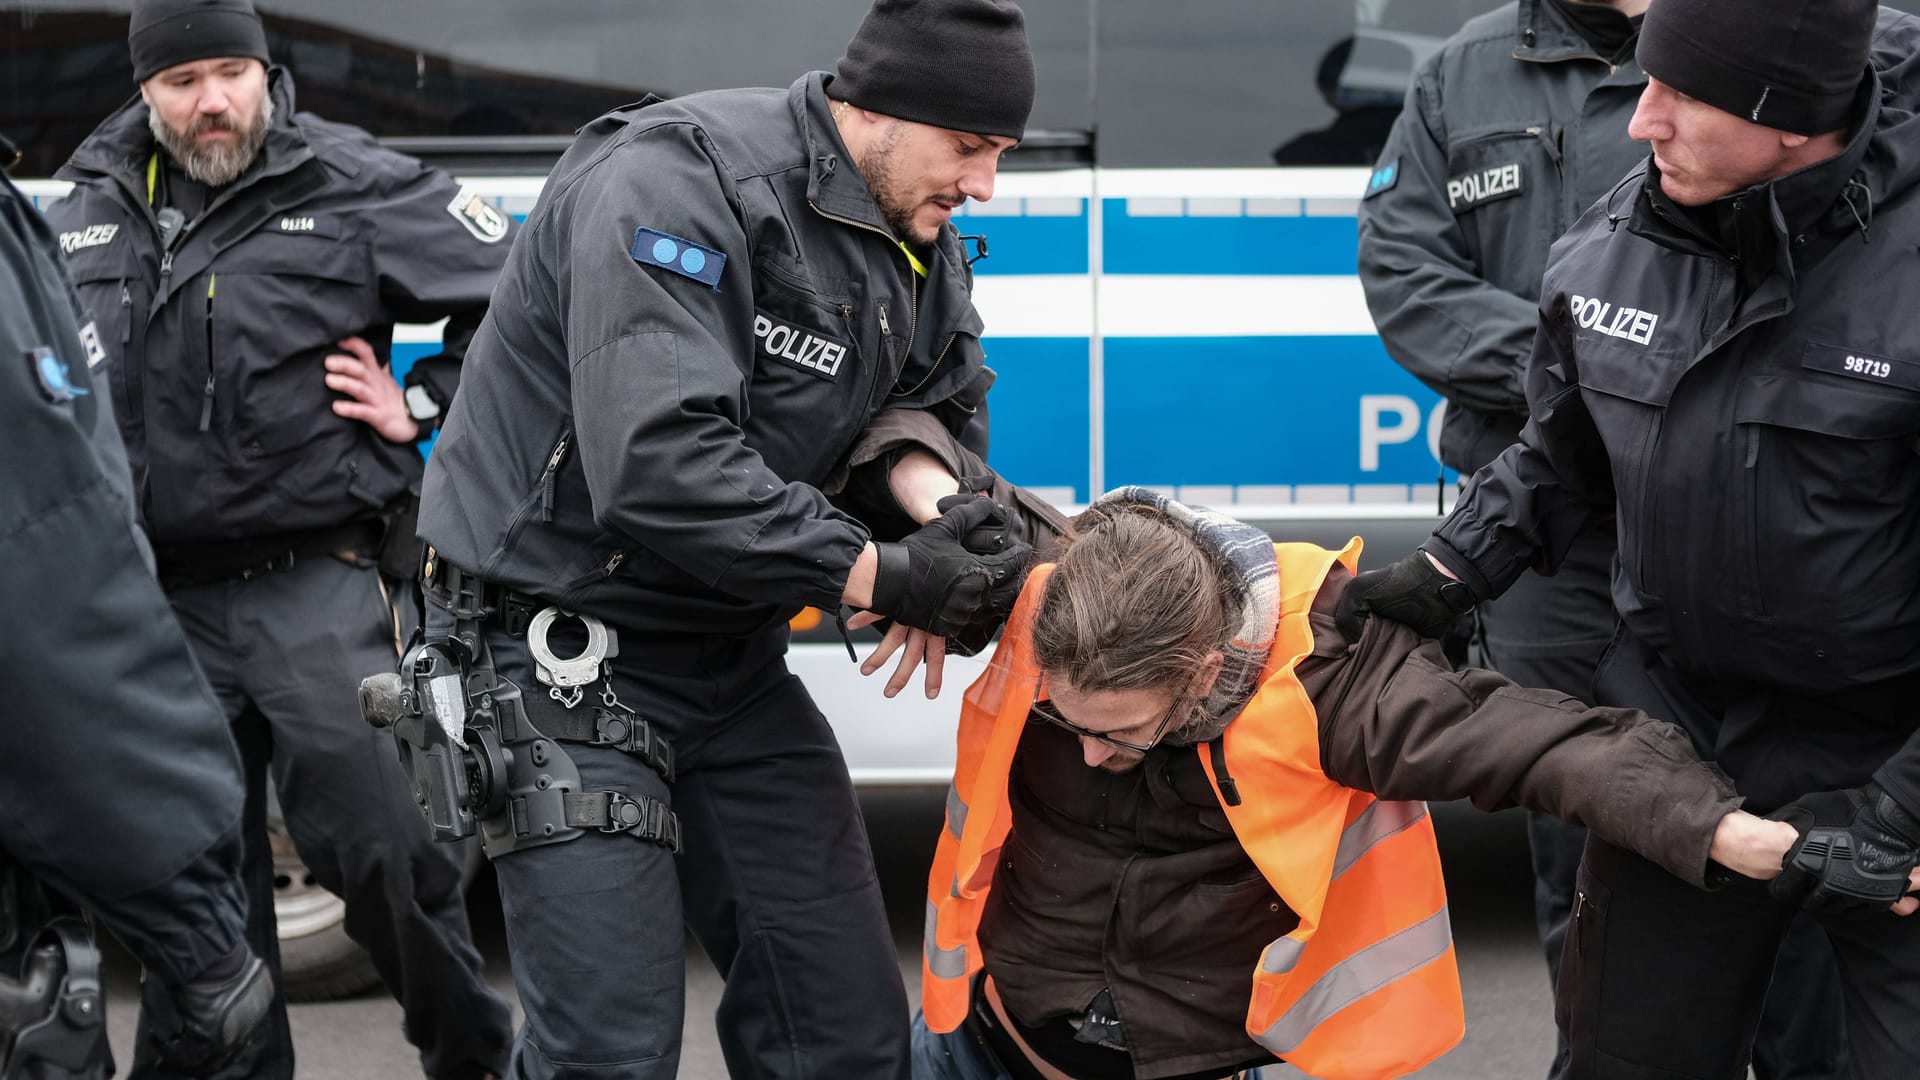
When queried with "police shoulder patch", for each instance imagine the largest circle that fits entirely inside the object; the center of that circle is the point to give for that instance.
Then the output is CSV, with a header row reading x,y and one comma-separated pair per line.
x,y
1384,177
651,247
52,374
480,217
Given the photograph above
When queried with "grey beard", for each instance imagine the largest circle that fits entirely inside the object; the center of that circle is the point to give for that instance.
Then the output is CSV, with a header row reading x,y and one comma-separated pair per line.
x,y
219,164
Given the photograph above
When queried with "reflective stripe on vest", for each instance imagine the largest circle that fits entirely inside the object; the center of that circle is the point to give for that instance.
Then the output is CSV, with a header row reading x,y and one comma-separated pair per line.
x,y
1357,976
1377,823
956,813
944,963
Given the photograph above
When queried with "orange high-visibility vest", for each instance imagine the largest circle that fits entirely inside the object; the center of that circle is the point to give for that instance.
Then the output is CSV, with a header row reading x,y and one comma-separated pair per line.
x,y
1366,986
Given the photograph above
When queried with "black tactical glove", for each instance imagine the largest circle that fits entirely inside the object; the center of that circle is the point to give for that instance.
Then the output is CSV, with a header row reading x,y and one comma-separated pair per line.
x,y
1856,848
994,537
1410,591
958,568
208,1021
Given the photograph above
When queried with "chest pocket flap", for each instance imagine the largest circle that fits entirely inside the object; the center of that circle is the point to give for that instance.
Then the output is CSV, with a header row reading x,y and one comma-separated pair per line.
x,y
1486,166
1814,398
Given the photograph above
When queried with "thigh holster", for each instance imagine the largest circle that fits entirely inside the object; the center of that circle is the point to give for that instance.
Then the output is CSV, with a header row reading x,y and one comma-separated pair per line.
x,y
53,1016
484,757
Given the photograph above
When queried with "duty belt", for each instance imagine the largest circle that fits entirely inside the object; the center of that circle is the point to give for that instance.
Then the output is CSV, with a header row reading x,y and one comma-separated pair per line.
x,y
182,566
467,597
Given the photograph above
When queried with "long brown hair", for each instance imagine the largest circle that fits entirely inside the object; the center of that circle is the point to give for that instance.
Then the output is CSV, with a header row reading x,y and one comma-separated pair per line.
x,y
1133,603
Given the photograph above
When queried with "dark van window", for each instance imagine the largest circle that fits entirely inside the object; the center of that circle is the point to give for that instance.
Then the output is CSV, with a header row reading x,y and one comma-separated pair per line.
x,y
1225,83
501,70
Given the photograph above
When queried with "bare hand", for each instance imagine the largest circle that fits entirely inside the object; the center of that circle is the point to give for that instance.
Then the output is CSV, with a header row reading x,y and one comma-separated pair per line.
x,y
1751,846
913,646
378,400
1910,903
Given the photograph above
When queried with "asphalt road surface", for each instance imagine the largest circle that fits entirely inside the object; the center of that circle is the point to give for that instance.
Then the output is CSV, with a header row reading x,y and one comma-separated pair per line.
x,y
1509,1007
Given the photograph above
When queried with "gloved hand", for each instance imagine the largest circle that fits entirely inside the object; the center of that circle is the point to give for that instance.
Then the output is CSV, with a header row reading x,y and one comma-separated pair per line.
x,y
959,567
991,538
1411,591
1856,849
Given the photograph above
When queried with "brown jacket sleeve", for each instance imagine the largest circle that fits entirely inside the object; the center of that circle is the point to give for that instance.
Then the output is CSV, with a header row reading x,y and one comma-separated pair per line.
x,y
864,492
1397,721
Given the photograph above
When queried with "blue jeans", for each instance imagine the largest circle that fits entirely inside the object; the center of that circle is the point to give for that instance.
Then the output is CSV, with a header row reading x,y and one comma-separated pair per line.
x,y
953,1056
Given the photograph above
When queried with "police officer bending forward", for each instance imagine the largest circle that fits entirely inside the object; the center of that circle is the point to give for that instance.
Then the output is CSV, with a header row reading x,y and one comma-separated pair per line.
x,y
119,785
246,265
711,302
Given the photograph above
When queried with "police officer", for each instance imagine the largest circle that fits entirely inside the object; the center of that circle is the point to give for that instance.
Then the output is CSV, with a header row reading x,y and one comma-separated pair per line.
x,y
246,264
1511,130
119,785
1721,356
710,303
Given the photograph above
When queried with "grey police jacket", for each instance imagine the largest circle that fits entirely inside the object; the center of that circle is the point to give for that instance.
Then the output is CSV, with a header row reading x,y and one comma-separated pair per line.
x,y
1510,131
704,312
216,348
1744,383
105,706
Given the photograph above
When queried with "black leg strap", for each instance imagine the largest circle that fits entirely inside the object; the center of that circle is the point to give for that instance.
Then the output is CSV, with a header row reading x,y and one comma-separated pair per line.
x,y
545,813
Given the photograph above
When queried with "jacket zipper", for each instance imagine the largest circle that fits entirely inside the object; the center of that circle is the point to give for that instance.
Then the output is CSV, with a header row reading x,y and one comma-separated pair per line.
x,y
547,480
913,316
1750,476
126,316
1546,140
206,393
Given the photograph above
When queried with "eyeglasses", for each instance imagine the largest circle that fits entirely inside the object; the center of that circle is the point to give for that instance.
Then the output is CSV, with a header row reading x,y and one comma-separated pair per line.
x,y
1043,710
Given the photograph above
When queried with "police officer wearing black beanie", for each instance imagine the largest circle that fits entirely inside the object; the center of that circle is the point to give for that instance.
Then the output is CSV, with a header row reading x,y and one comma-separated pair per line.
x,y
719,305
1726,358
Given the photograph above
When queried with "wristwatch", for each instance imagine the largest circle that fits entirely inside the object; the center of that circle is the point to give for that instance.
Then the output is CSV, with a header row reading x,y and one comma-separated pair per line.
x,y
423,407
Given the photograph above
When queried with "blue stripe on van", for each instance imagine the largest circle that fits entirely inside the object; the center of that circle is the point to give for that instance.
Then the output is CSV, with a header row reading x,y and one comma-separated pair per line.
x,y
1227,245
1269,410
1040,412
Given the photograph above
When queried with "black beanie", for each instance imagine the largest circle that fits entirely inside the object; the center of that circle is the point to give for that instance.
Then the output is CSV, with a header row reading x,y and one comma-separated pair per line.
x,y
168,32
964,65
1789,64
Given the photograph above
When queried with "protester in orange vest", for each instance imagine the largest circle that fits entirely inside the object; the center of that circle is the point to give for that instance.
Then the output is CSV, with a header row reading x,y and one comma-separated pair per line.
x,y
1181,842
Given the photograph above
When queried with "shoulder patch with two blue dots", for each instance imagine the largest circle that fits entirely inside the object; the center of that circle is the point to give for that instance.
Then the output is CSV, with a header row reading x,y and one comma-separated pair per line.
x,y
703,264
1383,178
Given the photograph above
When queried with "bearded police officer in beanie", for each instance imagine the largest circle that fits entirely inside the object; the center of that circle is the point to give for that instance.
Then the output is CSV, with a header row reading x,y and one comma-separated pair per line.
x,y
1511,130
246,264
1726,354
103,699
711,302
